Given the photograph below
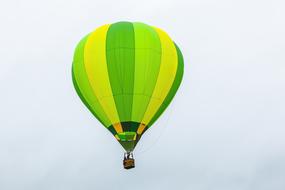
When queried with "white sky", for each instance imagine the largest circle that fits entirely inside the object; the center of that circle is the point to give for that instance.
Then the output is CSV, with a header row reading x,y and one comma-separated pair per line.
x,y
224,130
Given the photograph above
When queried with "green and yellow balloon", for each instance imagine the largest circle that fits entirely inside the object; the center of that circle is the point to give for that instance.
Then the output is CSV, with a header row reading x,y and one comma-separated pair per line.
x,y
127,74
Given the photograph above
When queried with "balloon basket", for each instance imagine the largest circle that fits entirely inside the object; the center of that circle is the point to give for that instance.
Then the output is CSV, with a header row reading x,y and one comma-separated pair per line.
x,y
129,161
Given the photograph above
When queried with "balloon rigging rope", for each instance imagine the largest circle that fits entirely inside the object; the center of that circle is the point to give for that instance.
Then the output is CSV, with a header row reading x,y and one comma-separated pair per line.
x,y
164,127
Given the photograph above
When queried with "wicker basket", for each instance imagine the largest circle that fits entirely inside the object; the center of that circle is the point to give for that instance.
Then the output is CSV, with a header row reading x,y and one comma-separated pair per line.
x,y
129,163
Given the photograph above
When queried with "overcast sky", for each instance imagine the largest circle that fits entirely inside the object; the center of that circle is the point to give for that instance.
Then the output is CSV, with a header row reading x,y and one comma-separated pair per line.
x,y
224,130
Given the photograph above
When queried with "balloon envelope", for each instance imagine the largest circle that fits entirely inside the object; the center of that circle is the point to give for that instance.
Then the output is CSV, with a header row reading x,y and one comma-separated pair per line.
x,y
127,74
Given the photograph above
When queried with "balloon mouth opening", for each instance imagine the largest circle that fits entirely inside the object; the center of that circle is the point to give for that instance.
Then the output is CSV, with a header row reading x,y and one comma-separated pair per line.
x,y
128,140
128,133
126,136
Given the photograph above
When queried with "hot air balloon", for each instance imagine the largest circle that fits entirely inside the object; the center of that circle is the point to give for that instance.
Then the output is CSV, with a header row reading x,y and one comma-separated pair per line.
x,y
126,74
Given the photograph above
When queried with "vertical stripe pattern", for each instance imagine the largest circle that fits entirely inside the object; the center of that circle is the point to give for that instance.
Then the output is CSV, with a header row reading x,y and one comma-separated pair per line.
x,y
127,74
147,65
120,52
